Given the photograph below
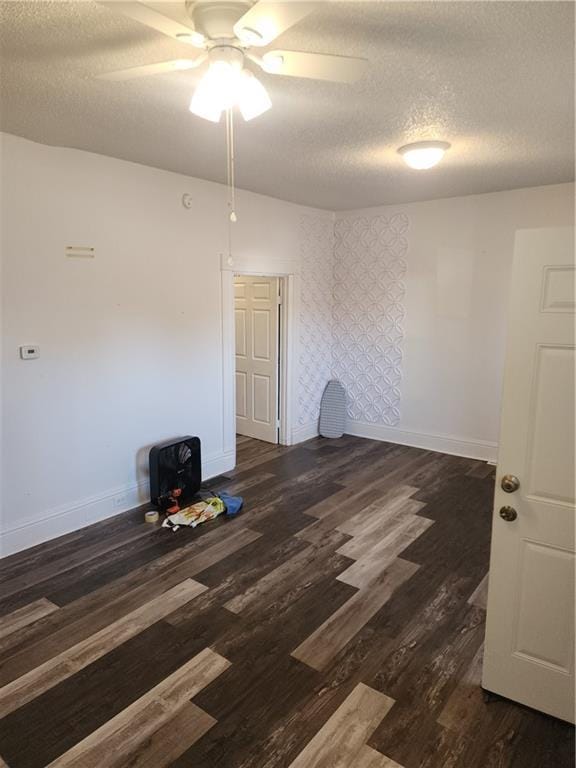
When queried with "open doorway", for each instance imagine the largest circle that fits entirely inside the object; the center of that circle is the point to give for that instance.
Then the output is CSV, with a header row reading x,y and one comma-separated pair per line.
x,y
258,322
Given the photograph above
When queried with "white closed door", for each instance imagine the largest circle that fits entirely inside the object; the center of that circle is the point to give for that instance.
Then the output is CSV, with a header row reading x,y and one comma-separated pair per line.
x,y
256,315
529,651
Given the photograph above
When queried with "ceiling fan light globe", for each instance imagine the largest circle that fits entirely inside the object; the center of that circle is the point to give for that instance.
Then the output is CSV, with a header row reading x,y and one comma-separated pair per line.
x,y
253,98
217,90
423,155
206,111
223,81
204,104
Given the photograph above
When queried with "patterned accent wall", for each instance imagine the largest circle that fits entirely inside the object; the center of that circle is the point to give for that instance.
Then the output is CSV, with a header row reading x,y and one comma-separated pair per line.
x,y
369,270
316,313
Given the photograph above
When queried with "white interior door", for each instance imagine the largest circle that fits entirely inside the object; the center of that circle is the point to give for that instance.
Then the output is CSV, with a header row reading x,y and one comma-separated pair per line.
x,y
529,654
256,316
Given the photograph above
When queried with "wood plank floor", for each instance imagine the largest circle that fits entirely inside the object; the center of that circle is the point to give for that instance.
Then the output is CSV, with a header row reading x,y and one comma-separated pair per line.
x,y
337,622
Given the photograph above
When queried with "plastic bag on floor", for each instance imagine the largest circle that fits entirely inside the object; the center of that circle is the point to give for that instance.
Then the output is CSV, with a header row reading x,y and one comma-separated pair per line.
x,y
195,514
202,511
233,504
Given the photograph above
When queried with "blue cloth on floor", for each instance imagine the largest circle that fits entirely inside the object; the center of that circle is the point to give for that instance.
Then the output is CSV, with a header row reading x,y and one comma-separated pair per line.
x,y
233,504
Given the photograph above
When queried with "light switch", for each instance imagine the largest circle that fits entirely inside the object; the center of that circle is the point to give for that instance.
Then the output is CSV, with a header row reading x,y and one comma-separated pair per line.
x,y
29,352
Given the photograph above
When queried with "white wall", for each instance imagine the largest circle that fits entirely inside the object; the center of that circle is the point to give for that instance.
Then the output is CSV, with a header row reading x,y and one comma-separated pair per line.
x,y
131,341
459,259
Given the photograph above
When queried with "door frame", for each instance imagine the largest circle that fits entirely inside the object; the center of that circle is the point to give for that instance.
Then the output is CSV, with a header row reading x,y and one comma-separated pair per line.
x,y
288,273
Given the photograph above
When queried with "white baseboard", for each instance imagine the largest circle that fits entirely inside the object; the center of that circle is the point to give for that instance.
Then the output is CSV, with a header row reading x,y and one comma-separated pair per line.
x,y
218,465
455,446
62,520
304,432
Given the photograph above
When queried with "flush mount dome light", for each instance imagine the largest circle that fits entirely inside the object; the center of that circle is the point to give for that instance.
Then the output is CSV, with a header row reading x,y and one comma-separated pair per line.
x,y
423,154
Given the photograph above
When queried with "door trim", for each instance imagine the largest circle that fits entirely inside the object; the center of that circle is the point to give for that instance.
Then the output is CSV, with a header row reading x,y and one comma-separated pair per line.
x,y
259,296
289,273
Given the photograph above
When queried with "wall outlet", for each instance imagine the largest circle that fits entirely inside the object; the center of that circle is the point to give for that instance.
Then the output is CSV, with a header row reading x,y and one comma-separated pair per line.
x,y
120,502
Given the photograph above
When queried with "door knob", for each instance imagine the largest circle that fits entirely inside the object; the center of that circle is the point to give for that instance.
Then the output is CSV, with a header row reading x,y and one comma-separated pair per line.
x,y
508,513
510,483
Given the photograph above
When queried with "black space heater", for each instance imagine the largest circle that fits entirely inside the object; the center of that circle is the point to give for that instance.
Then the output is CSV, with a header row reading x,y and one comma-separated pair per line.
x,y
175,465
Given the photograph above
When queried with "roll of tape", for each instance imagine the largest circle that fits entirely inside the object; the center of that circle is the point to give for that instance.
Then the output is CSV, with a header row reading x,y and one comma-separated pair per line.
x,y
152,516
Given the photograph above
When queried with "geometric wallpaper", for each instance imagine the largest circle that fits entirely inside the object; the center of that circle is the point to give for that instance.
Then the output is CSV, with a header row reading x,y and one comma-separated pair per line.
x,y
316,300
352,314
368,311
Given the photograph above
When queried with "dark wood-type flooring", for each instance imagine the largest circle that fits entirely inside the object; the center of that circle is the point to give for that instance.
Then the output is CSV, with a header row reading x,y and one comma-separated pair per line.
x,y
337,622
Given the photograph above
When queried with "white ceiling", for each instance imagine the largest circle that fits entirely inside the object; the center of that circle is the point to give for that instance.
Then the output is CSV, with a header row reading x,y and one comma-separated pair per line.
x,y
493,78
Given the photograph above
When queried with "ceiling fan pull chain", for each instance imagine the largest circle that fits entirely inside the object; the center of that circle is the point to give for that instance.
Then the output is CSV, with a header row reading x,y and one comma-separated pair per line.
x,y
232,179
227,119
230,175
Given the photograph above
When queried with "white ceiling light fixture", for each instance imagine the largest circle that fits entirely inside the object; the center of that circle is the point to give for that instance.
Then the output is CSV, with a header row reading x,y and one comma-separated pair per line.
x,y
422,155
253,99
218,89
227,84
225,31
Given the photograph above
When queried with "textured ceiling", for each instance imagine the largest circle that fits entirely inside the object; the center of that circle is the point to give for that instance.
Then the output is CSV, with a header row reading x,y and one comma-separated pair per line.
x,y
493,78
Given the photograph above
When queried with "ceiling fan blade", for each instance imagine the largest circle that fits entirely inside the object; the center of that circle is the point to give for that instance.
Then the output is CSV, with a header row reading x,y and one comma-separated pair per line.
x,y
185,33
318,66
266,20
153,69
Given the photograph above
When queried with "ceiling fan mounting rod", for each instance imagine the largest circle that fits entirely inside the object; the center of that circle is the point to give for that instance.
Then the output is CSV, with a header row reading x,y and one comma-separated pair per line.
x,y
215,19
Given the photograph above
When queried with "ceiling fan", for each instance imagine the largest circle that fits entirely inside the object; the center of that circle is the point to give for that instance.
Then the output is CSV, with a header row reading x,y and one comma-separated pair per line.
x,y
225,34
